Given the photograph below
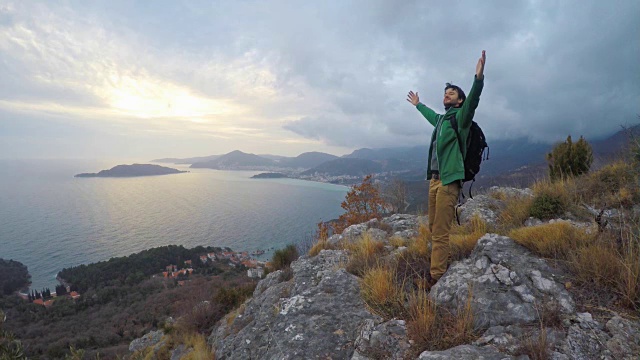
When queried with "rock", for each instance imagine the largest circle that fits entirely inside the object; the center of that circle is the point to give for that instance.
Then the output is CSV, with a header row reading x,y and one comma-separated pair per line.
x,y
482,206
402,222
385,341
150,339
180,351
465,352
406,234
511,192
335,239
270,280
532,222
606,213
625,338
377,234
354,231
585,344
317,314
587,339
506,282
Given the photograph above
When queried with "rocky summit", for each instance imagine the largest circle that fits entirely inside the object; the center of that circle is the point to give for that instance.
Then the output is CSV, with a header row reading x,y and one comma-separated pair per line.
x,y
315,310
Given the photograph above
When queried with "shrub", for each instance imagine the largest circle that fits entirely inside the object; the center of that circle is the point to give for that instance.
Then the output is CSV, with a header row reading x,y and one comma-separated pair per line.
x,y
570,159
546,207
362,203
231,298
282,258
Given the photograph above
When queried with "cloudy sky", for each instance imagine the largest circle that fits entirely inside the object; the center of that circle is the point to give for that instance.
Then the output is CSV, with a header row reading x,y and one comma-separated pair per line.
x,y
92,79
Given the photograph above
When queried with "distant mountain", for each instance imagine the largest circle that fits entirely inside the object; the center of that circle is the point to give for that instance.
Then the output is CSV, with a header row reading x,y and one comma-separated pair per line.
x,y
274,157
346,166
614,144
307,160
236,160
133,170
187,160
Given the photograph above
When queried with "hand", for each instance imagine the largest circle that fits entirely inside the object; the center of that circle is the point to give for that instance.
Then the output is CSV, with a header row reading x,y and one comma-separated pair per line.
x,y
413,98
480,66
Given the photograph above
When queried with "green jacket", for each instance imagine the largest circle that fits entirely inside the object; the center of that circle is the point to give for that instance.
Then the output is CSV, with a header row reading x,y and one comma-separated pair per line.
x,y
450,160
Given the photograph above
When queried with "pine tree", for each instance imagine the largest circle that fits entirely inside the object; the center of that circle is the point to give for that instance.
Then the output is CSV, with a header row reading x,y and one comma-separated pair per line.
x,y
570,159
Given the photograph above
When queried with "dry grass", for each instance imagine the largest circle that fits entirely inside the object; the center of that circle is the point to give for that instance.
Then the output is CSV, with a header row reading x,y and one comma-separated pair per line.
x,y
558,240
319,246
596,263
607,260
420,245
515,213
363,254
397,241
435,328
201,350
382,293
463,239
615,185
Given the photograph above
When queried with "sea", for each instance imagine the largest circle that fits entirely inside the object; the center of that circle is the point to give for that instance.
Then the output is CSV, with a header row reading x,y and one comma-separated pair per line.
x,y
50,220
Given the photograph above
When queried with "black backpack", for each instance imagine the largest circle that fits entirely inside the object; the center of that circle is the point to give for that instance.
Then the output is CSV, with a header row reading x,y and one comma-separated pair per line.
x,y
476,143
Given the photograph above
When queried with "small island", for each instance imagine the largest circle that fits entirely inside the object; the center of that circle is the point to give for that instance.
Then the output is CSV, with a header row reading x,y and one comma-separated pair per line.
x,y
133,170
269,176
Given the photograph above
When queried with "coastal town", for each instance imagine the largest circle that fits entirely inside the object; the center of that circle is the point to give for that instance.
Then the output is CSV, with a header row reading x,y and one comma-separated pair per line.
x,y
180,273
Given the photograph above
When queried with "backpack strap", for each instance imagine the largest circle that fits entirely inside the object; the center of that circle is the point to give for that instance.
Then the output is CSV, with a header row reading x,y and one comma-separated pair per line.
x,y
454,126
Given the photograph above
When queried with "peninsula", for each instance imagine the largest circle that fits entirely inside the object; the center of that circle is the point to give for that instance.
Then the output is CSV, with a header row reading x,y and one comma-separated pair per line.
x,y
133,170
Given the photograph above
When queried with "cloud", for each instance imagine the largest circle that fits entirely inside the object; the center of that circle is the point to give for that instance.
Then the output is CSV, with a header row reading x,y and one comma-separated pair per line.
x,y
329,75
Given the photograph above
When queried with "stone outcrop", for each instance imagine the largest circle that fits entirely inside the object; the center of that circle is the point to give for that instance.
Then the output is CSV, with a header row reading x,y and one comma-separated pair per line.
x,y
317,314
150,339
314,310
506,282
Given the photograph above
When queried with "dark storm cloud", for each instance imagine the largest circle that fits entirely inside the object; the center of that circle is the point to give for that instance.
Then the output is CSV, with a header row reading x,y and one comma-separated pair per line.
x,y
336,72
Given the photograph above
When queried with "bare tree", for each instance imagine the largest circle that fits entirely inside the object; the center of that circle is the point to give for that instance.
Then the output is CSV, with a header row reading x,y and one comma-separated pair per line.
x,y
395,193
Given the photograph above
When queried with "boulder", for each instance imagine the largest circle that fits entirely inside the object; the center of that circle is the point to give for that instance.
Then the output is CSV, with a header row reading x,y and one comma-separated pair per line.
x,y
483,206
150,339
317,314
506,282
467,352
383,341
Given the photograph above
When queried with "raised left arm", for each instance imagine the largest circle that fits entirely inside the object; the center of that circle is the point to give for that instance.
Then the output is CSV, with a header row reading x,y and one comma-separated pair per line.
x,y
472,101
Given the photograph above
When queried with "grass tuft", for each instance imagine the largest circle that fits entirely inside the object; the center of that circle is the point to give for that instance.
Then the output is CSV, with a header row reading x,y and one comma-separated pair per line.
x,y
381,292
463,239
557,240
364,254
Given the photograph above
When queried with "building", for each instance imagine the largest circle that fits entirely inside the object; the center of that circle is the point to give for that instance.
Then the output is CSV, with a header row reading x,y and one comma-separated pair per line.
x,y
255,273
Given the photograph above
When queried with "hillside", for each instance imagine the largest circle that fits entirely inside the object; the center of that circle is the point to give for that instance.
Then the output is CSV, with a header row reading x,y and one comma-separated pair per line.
x,y
236,160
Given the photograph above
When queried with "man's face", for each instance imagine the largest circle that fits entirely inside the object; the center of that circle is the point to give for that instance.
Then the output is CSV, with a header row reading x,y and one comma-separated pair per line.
x,y
451,98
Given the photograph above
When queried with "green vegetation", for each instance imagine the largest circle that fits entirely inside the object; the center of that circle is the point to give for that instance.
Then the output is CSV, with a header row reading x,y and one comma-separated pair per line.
x,y
135,268
546,206
284,257
111,313
14,276
10,347
570,159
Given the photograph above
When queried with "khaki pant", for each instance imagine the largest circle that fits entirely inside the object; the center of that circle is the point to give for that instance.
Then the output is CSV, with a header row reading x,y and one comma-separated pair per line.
x,y
442,207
